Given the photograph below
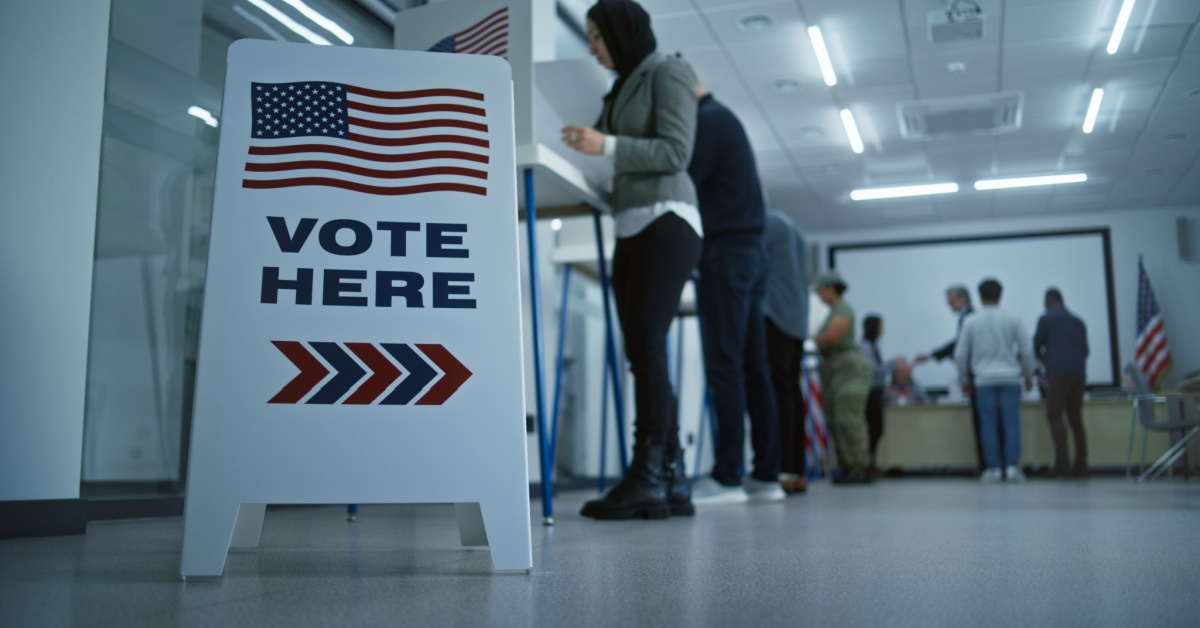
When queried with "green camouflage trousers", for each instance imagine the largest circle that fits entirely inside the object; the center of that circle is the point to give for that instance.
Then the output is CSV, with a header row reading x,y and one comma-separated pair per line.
x,y
845,382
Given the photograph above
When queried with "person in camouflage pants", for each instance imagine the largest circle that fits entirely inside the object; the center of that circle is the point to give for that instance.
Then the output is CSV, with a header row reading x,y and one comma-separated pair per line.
x,y
845,381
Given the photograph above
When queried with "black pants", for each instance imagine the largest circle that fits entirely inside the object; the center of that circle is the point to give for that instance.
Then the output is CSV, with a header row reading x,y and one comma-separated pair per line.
x,y
784,354
733,280
649,272
1066,392
874,420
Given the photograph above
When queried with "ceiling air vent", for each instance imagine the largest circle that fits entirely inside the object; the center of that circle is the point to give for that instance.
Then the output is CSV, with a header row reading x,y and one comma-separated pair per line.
x,y
987,114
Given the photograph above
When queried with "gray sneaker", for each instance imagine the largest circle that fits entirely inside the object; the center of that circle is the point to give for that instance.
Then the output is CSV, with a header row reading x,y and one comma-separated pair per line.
x,y
993,474
759,491
1013,473
709,491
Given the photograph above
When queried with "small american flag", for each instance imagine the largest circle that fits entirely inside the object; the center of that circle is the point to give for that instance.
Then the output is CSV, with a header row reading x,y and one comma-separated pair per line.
x,y
366,140
488,36
1150,348
816,439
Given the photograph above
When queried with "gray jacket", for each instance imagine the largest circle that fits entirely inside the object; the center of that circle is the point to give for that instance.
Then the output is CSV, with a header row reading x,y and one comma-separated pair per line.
x,y
654,119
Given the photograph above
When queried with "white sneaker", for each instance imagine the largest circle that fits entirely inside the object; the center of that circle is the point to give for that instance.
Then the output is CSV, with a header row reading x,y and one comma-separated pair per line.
x,y
759,491
709,491
1014,473
993,474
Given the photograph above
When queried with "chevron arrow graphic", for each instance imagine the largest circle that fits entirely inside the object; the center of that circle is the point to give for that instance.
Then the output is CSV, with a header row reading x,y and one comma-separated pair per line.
x,y
311,372
385,373
348,373
454,375
419,374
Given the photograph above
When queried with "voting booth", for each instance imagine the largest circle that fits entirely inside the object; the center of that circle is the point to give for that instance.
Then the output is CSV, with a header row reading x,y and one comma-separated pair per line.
x,y
555,180
361,337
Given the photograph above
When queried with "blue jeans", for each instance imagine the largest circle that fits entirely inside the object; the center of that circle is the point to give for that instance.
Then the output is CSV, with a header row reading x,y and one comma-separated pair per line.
x,y
996,405
732,282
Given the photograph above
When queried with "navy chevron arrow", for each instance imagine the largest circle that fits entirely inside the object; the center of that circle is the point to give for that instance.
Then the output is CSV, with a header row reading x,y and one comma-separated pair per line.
x,y
348,373
419,374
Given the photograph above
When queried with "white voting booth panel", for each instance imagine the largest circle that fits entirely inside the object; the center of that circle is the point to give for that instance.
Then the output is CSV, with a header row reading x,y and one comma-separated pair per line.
x,y
361,337
547,94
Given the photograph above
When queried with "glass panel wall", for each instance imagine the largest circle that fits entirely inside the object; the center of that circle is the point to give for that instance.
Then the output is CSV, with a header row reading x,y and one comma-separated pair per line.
x,y
162,110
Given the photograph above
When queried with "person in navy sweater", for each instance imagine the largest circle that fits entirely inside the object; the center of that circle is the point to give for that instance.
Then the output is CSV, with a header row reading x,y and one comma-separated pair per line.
x,y
733,276
1060,342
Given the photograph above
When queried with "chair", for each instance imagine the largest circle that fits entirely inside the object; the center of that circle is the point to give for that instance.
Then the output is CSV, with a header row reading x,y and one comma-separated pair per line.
x,y
1145,404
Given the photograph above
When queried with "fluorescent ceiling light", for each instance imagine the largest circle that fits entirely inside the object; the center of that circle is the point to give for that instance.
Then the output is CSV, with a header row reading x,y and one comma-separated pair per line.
x,y
870,194
253,19
321,20
203,114
818,44
1089,121
1024,182
852,131
289,22
1114,42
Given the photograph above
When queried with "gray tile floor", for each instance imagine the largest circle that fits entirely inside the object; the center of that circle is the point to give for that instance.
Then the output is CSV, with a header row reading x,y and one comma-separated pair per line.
x,y
911,552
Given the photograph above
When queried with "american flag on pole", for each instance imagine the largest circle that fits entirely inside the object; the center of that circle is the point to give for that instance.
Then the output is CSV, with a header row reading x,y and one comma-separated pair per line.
x,y
488,36
320,133
1150,348
816,439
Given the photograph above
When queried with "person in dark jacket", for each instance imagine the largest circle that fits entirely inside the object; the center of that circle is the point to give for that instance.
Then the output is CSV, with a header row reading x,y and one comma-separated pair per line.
x,y
733,279
1060,342
959,300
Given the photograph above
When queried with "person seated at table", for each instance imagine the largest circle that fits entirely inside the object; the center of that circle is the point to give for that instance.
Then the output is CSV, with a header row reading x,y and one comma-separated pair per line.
x,y
903,389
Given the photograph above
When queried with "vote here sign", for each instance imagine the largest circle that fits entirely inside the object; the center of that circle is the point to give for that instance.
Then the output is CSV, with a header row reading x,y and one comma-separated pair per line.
x,y
361,337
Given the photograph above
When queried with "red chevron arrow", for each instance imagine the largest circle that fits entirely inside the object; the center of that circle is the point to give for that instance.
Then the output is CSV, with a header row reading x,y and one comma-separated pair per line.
x,y
311,372
385,373
455,375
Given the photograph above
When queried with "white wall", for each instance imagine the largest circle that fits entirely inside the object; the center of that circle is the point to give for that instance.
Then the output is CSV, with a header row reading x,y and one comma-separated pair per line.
x,y
1147,232
52,67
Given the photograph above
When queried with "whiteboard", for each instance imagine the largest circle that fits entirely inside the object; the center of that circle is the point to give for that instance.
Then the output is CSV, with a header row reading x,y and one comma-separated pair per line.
x,y
905,283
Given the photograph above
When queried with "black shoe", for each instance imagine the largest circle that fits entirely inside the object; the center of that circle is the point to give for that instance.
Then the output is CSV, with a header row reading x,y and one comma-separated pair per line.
x,y
854,475
642,494
679,486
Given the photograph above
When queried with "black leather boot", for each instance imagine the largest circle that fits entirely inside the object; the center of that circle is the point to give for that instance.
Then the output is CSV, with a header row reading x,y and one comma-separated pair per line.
x,y
679,485
641,494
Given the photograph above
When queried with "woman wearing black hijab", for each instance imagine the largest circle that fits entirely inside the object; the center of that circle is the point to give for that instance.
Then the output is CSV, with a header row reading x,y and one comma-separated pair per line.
x,y
646,128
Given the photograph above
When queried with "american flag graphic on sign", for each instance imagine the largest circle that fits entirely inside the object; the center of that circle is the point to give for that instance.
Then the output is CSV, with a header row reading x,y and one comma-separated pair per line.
x,y
367,140
1150,348
488,36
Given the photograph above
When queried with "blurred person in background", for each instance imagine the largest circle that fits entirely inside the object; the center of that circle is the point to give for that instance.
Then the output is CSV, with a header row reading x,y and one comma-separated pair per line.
x,y
845,381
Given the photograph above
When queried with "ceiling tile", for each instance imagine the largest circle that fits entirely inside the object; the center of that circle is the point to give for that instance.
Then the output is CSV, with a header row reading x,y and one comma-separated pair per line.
x,y
681,32
1067,56
832,15
1184,79
777,55
848,45
787,23
658,7
1152,72
1144,43
1046,21
1020,201
1165,12
1027,156
962,167
1187,189
875,72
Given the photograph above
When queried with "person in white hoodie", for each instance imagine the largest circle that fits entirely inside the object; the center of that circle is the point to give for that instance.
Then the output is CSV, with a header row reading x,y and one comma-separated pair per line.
x,y
996,351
